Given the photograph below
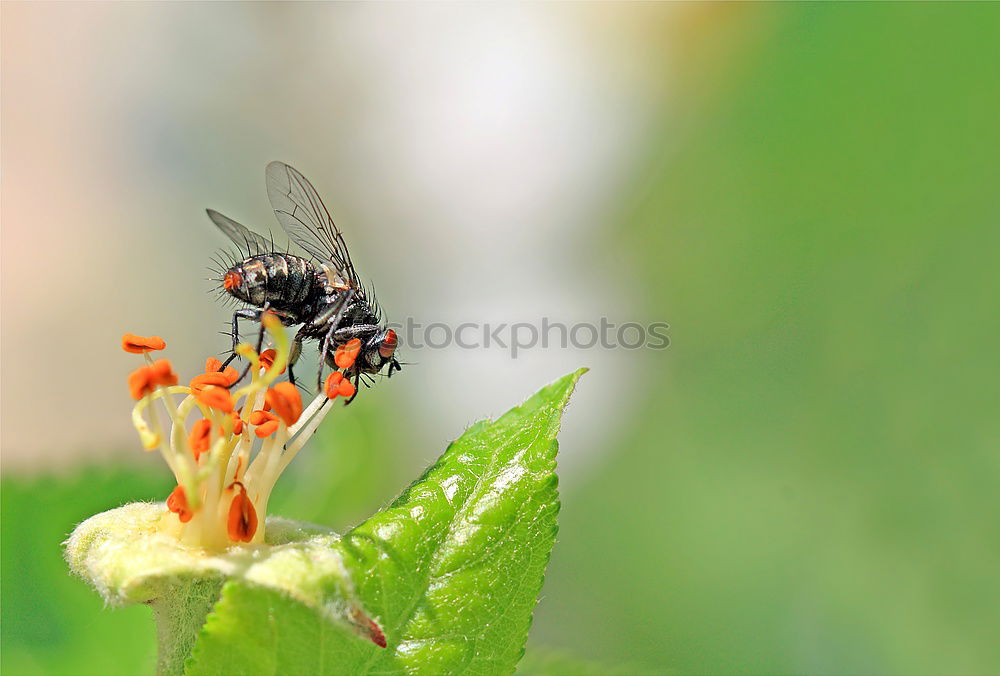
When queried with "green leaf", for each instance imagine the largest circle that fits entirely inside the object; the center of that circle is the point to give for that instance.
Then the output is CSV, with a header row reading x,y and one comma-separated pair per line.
x,y
449,573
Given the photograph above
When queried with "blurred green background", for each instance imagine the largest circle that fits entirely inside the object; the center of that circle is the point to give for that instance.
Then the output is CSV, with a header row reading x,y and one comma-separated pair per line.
x,y
804,482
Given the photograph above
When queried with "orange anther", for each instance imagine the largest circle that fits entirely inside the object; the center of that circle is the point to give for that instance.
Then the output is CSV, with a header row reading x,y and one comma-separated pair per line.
x,y
218,378
259,417
141,344
347,353
200,438
212,364
231,374
177,503
242,522
332,385
203,380
162,373
215,397
237,423
339,386
144,379
140,383
265,423
267,359
285,400
266,430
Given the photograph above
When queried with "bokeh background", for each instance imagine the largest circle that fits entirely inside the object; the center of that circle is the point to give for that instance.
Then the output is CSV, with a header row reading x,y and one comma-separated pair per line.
x,y
804,482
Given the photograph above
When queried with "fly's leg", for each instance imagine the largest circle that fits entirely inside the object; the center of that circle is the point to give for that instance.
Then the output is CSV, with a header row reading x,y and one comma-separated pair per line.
x,y
357,388
357,331
253,315
260,341
294,356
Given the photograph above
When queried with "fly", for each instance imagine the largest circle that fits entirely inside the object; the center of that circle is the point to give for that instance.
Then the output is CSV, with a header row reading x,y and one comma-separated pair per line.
x,y
321,291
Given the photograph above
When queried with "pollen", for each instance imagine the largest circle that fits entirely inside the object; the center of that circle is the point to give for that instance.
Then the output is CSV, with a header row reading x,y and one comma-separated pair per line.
x,y
339,386
232,280
242,521
141,344
347,353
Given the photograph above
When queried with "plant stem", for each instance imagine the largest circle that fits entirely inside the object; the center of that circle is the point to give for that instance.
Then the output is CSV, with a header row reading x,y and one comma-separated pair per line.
x,y
179,616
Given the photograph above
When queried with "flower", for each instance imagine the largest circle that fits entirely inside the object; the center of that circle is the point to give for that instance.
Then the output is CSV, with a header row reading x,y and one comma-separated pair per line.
x,y
228,456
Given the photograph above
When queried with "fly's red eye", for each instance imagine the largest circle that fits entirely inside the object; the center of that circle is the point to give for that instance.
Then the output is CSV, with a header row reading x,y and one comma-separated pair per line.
x,y
231,280
388,344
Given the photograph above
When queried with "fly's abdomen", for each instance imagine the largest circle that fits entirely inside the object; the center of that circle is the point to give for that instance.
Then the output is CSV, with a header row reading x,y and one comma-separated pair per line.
x,y
282,280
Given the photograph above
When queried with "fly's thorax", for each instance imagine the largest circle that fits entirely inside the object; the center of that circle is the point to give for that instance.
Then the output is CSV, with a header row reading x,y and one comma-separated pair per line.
x,y
331,278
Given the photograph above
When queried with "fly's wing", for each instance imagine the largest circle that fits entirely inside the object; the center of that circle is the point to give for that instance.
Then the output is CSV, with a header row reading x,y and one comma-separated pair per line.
x,y
303,216
240,234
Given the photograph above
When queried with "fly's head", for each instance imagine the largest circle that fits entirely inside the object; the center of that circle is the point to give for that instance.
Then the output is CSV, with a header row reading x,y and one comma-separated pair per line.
x,y
370,357
381,350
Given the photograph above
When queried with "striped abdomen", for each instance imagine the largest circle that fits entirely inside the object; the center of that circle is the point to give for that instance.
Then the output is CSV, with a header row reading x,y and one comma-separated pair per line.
x,y
283,280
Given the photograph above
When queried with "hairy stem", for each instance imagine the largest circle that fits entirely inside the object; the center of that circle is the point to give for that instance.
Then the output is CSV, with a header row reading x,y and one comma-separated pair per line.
x,y
179,617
